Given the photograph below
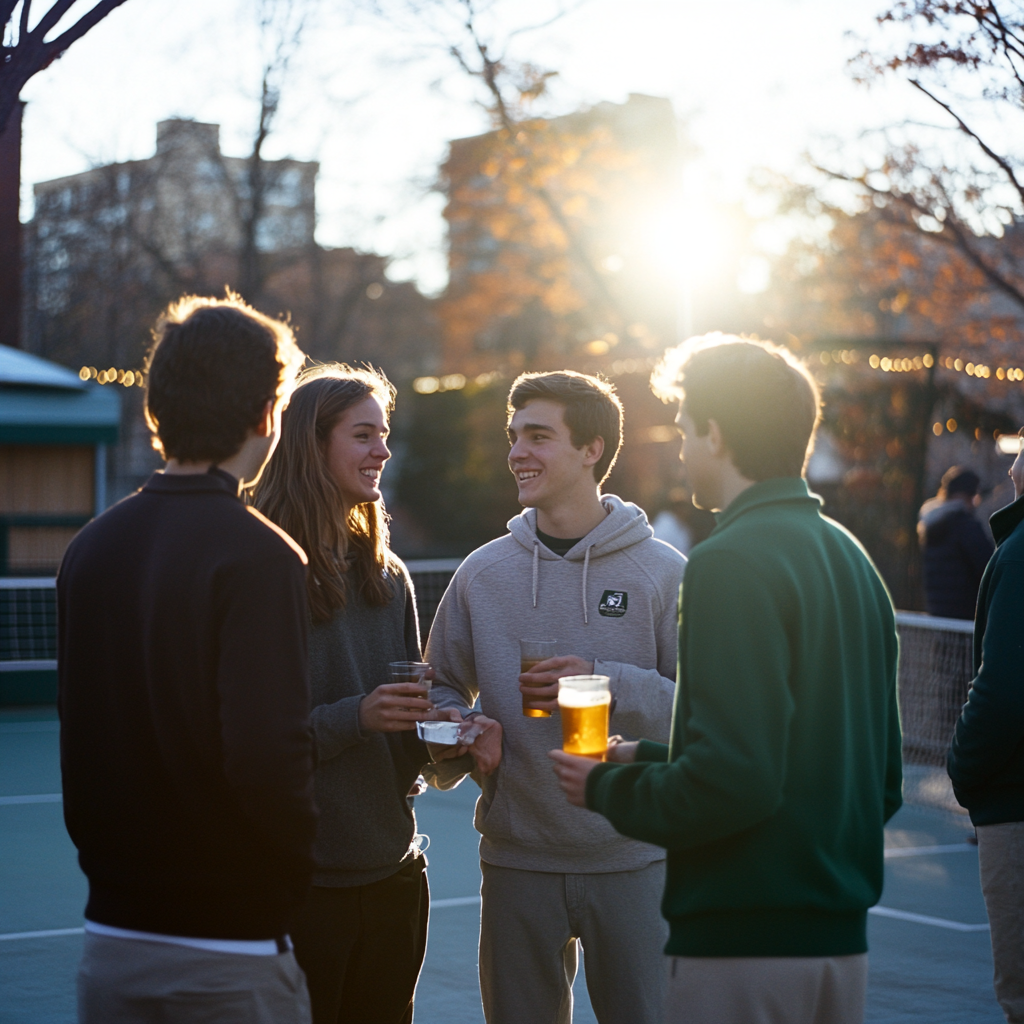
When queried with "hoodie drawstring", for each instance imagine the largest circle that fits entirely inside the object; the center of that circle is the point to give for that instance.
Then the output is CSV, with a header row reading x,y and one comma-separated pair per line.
x,y
536,560
586,566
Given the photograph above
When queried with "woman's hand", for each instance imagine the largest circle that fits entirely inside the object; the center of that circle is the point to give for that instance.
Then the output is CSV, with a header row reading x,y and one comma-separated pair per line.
x,y
394,707
486,747
442,715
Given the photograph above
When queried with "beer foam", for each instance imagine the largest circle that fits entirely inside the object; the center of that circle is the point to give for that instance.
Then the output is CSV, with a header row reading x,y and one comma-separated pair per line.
x,y
570,698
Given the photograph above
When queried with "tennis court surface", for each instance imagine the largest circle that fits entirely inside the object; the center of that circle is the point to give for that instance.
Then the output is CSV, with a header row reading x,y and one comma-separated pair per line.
x,y
930,954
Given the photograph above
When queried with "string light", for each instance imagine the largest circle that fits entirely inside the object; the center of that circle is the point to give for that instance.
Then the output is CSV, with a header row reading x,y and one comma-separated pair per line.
x,y
126,378
980,371
457,381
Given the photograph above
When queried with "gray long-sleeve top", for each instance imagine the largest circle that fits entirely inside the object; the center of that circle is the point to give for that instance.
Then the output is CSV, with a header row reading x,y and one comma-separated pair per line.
x,y
366,826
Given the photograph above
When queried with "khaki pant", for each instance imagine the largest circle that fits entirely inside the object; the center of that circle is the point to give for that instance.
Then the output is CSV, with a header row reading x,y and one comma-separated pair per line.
x,y
129,981
1001,864
530,922
766,990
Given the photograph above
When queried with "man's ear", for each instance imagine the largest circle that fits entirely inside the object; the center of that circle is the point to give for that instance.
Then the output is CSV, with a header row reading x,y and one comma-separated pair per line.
x,y
265,427
592,452
716,442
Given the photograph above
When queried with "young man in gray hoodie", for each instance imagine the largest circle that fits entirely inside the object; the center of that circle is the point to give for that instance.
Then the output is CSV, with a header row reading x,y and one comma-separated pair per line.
x,y
583,569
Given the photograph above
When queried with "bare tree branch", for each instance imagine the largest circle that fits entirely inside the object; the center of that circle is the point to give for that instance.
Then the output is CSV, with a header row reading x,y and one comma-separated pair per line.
x,y
490,72
952,233
1001,161
30,54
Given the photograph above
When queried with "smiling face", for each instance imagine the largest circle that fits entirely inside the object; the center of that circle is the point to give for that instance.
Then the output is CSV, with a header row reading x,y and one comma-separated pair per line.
x,y
356,452
543,460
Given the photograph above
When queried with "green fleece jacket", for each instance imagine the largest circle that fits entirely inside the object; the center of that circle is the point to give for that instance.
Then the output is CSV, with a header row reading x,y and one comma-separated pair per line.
x,y
784,761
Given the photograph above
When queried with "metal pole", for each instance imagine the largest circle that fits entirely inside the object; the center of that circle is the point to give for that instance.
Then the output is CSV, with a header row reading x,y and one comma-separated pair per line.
x,y
100,479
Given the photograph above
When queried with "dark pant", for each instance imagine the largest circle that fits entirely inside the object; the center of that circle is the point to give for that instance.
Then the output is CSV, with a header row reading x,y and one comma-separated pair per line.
x,y
362,947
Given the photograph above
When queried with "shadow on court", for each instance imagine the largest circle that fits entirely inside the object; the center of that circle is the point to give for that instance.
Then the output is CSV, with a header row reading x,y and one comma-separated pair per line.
x,y
930,959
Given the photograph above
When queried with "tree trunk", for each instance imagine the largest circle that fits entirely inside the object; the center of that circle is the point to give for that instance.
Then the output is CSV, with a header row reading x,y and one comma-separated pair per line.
x,y
10,230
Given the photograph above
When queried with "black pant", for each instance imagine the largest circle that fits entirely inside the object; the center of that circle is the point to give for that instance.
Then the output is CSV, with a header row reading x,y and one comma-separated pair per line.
x,y
362,947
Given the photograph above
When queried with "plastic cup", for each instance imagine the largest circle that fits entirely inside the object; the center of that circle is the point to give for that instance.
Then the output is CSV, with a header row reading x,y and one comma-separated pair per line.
x,y
584,703
410,672
530,653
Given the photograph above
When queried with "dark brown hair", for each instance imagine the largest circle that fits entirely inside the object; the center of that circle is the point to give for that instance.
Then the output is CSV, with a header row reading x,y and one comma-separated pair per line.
x,y
763,399
298,493
592,409
213,366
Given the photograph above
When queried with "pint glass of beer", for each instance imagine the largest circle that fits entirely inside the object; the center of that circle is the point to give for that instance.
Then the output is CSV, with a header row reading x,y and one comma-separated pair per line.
x,y
410,672
584,702
530,653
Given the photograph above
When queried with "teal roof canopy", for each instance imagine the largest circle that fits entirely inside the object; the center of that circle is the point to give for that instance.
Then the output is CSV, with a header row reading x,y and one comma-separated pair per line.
x,y
45,403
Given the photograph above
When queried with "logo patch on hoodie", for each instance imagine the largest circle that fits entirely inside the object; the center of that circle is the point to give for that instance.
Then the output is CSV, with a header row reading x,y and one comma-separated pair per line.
x,y
613,603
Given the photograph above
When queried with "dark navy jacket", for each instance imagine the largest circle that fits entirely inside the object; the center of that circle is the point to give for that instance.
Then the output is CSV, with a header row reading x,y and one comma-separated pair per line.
x,y
956,551
986,761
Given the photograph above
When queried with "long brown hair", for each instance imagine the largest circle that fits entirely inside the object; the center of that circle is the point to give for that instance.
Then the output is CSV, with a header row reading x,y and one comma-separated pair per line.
x,y
298,493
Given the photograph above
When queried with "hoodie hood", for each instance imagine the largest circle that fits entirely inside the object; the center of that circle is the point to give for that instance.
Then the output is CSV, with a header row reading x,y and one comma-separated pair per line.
x,y
624,525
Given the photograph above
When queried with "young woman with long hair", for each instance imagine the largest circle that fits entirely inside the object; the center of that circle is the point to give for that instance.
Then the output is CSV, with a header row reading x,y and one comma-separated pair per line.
x,y
360,937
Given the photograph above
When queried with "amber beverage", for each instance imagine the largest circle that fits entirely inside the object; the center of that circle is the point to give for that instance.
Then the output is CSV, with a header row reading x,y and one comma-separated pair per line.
x,y
584,703
410,672
532,652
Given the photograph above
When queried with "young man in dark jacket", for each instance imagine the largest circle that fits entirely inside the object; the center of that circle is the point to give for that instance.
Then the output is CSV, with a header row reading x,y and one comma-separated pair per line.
x,y
784,761
185,743
955,546
986,761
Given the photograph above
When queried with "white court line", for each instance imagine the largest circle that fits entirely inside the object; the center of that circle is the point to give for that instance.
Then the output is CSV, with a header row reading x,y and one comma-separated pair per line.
x,y
36,798
467,901
51,933
458,901
935,922
925,851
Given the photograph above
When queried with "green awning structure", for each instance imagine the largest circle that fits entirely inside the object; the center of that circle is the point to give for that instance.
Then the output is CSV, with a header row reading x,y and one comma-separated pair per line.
x,y
45,403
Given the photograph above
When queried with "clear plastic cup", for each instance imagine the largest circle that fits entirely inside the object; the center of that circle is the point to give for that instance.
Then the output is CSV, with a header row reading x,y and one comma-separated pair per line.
x,y
410,672
530,653
584,703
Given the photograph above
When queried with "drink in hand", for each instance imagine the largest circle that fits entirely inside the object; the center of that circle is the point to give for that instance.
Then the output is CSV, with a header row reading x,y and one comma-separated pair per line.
x,y
531,653
584,703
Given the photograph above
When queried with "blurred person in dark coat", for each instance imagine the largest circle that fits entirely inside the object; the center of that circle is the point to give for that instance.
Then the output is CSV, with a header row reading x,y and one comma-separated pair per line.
x,y
986,759
956,547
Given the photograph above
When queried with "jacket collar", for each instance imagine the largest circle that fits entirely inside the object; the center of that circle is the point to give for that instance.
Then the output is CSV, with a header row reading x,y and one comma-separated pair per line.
x,y
776,491
1006,520
214,481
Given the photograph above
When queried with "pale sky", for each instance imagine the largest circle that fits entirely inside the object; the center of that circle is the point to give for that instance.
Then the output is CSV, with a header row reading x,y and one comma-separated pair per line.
x,y
758,81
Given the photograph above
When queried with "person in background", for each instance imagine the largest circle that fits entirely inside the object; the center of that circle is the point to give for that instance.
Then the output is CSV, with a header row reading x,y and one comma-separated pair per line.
x,y
361,935
582,568
785,757
986,758
682,524
183,698
955,546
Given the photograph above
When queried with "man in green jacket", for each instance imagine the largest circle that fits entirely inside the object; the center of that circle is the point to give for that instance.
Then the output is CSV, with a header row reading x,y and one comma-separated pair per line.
x,y
986,760
784,761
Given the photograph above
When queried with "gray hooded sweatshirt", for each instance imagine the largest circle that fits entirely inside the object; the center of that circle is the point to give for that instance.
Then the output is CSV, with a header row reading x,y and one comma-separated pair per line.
x,y
612,598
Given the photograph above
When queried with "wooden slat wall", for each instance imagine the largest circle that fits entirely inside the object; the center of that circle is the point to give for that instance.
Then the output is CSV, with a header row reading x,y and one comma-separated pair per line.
x,y
33,549
45,480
